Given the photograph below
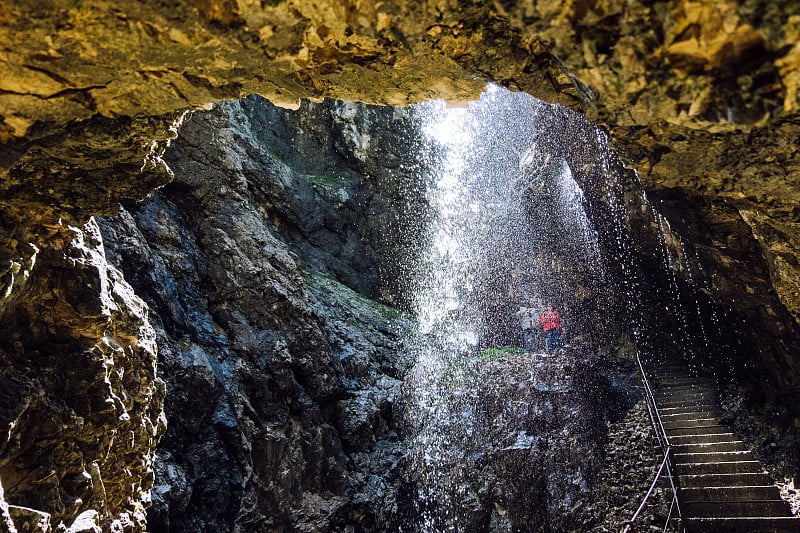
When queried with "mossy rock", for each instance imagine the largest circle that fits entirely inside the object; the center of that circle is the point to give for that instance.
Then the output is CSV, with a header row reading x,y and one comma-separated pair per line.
x,y
359,307
329,181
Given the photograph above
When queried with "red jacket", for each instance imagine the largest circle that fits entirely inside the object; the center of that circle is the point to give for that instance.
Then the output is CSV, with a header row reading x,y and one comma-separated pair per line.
x,y
550,320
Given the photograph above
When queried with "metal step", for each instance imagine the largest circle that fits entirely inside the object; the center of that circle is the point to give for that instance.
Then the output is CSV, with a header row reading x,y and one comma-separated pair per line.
x,y
701,430
724,480
685,388
686,393
742,508
693,423
706,438
690,403
686,415
723,494
712,457
729,446
668,383
743,525
685,409
684,397
733,467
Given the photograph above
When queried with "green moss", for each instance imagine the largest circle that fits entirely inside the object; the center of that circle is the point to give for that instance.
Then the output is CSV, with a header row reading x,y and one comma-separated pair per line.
x,y
457,372
387,311
335,292
183,344
494,353
478,484
332,182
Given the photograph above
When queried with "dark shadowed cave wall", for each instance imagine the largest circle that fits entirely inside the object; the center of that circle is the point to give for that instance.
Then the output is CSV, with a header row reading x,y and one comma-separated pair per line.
x,y
262,262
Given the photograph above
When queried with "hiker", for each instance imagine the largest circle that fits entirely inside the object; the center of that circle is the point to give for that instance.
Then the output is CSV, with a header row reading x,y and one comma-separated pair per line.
x,y
551,324
526,321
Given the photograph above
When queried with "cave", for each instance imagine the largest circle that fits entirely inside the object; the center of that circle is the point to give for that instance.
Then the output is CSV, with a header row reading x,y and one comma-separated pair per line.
x,y
217,218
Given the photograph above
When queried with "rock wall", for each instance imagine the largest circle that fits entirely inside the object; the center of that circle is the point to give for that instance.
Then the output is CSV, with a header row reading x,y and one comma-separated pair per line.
x,y
282,379
80,398
518,444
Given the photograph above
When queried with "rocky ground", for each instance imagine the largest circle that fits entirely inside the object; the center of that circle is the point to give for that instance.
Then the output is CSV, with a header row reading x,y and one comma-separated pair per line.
x,y
632,459
516,442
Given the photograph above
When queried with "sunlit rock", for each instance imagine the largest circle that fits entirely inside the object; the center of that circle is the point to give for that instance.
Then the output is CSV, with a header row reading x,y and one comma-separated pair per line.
x,y
94,392
86,522
710,36
27,519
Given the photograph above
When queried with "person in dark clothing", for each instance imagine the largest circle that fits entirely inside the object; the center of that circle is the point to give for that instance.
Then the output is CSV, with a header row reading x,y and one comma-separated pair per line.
x,y
527,320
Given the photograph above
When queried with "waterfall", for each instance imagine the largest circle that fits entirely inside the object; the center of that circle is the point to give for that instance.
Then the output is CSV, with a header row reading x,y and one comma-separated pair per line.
x,y
508,228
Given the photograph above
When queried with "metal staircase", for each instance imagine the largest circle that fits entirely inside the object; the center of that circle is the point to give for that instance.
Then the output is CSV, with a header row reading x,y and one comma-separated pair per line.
x,y
720,486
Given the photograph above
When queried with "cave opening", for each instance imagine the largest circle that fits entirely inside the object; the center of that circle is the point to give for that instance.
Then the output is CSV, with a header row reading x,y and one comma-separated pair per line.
x,y
337,286
333,293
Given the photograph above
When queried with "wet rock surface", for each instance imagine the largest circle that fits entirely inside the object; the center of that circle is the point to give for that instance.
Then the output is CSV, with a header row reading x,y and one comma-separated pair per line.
x,y
520,446
763,428
632,459
258,262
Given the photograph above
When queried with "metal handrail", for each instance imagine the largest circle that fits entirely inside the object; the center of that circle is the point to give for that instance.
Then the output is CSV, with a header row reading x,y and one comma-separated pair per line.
x,y
667,464
630,522
655,416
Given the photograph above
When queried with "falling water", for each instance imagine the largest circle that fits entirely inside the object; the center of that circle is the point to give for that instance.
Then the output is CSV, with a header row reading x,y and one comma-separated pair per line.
x,y
509,228
693,327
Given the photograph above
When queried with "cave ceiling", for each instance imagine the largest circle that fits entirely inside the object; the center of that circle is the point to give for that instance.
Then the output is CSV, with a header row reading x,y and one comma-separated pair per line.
x,y
699,97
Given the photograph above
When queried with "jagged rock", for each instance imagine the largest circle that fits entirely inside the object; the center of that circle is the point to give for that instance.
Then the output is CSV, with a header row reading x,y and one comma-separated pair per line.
x,y
6,525
86,522
29,520
509,454
85,416
291,376
627,472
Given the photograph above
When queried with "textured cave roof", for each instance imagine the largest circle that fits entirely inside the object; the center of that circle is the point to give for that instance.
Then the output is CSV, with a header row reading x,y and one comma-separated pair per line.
x,y
698,97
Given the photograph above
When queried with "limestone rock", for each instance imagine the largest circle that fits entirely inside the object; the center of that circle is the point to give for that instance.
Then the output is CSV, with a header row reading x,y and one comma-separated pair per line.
x,y
86,522
86,85
90,387
26,519
6,525
249,261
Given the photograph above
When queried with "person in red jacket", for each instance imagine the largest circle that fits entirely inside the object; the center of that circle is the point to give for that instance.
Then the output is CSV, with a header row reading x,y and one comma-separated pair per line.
x,y
551,324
